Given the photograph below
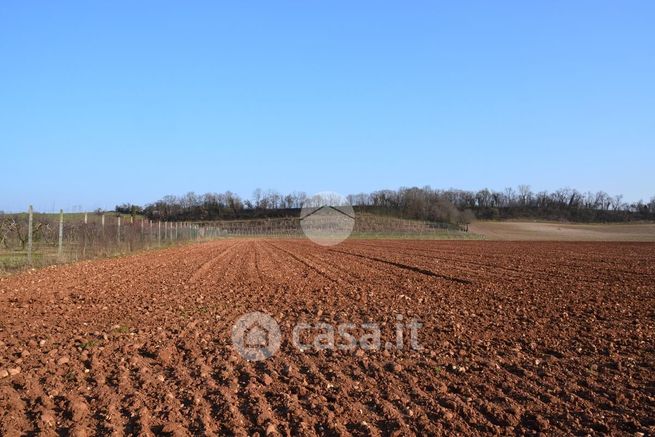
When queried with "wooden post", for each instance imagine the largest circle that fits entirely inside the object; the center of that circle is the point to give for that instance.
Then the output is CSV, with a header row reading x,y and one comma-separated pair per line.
x,y
60,248
29,235
103,222
159,232
84,230
118,233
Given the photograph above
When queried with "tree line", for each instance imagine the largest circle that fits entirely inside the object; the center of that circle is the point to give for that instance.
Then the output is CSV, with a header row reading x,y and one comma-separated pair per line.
x,y
424,203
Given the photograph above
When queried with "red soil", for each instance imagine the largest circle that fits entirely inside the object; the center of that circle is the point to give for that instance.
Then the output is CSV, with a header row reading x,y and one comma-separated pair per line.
x,y
517,338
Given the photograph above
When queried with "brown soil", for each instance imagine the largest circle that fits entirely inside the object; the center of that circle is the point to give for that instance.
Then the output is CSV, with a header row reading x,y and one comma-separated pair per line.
x,y
551,231
518,338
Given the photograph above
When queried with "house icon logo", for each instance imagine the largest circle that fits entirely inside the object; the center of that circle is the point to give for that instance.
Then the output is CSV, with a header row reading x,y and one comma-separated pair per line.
x,y
256,336
327,218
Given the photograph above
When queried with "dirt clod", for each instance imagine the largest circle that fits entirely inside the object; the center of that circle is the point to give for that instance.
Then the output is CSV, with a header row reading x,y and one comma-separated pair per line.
x,y
515,339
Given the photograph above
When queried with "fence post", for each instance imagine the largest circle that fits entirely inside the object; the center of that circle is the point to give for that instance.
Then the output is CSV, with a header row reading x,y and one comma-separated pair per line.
x,y
60,248
159,232
103,222
84,231
118,234
29,235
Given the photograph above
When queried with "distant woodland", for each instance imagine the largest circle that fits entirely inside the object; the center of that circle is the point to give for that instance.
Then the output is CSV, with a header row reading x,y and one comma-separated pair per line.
x,y
426,203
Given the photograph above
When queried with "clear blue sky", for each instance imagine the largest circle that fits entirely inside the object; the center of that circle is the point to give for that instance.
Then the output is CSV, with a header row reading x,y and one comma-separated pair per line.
x,y
104,102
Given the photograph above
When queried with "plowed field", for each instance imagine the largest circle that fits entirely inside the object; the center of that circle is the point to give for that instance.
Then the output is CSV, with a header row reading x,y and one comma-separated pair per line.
x,y
516,338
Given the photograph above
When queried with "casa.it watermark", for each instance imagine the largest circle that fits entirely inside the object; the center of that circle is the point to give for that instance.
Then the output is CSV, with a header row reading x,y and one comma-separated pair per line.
x,y
256,336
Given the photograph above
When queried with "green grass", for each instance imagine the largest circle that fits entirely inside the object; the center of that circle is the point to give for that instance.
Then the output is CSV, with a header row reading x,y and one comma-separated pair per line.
x,y
88,345
438,235
13,260
122,329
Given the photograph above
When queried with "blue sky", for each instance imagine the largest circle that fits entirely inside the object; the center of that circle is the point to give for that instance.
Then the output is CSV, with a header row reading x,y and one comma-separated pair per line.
x,y
110,102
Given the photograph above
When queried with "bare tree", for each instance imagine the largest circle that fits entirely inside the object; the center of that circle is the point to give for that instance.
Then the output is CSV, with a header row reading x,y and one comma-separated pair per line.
x,y
525,194
257,197
617,202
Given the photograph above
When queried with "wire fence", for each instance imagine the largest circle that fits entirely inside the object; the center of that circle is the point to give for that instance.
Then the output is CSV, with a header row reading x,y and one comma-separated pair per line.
x,y
39,239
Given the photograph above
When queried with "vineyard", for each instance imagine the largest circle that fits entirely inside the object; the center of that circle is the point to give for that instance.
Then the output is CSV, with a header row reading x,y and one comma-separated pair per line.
x,y
46,239
57,238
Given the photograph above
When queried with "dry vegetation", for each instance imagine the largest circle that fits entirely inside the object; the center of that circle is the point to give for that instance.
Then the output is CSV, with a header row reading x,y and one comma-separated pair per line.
x,y
93,239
